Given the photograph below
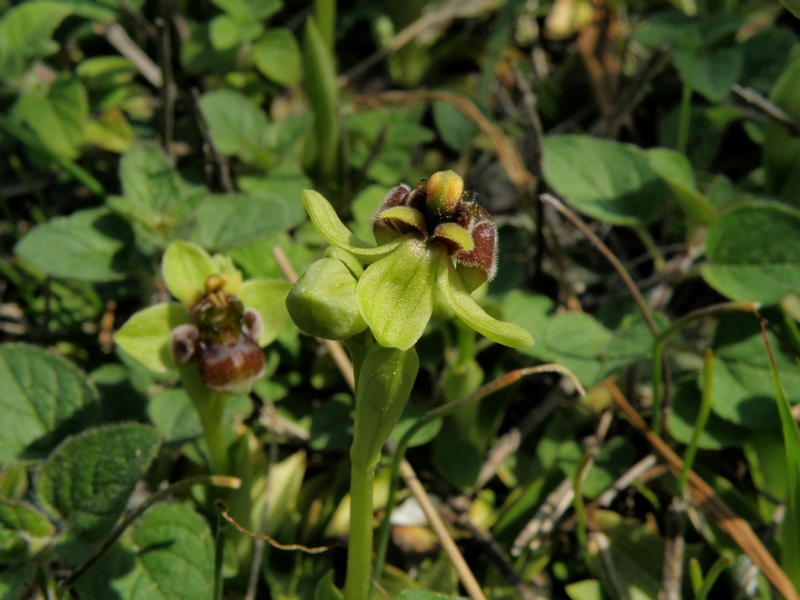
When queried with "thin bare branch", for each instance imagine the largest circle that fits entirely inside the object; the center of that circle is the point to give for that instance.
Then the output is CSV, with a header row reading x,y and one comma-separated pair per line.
x,y
118,38
764,106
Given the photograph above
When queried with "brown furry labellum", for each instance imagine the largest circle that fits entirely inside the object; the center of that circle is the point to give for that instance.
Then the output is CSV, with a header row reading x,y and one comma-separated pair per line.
x,y
222,339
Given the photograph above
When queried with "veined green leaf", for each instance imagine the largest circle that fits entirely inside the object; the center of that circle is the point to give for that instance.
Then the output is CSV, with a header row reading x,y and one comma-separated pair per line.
x,y
754,252
44,399
86,482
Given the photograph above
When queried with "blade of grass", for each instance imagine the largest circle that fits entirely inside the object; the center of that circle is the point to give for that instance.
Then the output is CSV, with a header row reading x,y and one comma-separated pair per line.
x,y
790,550
700,423
322,95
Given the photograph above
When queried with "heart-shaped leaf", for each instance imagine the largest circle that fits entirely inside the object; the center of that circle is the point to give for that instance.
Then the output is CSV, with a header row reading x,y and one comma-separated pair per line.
x,y
86,482
44,399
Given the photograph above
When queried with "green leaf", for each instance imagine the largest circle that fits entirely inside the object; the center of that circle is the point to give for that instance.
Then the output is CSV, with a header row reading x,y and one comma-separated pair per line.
x,y
766,56
323,96
90,245
58,117
145,336
268,297
26,31
710,71
185,268
395,294
427,595
226,32
743,391
675,169
236,124
781,148
154,196
104,72
230,221
24,531
603,179
754,252
86,482
44,399
257,10
718,433
170,555
277,56
331,228
456,130
13,580
589,589
111,131
459,299
793,6
172,413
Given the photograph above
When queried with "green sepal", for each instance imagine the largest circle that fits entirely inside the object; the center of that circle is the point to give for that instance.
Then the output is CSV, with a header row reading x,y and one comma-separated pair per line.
x,y
384,384
456,295
323,301
336,234
185,268
395,294
145,336
268,297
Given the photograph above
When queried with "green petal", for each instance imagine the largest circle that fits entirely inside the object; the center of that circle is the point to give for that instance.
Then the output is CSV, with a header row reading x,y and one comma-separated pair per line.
x,y
185,268
145,336
336,234
456,295
405,214
268,297
395,294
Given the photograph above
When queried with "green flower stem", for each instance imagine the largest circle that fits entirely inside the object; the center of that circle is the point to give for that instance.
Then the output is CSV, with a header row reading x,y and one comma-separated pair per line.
x,y
384,378
359,553
210,407
444,410
661,340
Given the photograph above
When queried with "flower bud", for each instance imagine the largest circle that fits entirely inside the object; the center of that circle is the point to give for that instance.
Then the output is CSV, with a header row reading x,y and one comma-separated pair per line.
x,y
323,301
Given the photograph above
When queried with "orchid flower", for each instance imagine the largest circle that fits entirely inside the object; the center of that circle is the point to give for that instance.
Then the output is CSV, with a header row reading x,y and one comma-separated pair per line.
x,y
220,322
434,236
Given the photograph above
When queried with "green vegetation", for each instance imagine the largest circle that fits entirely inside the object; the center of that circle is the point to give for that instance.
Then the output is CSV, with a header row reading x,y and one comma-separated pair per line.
x,y
179,418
